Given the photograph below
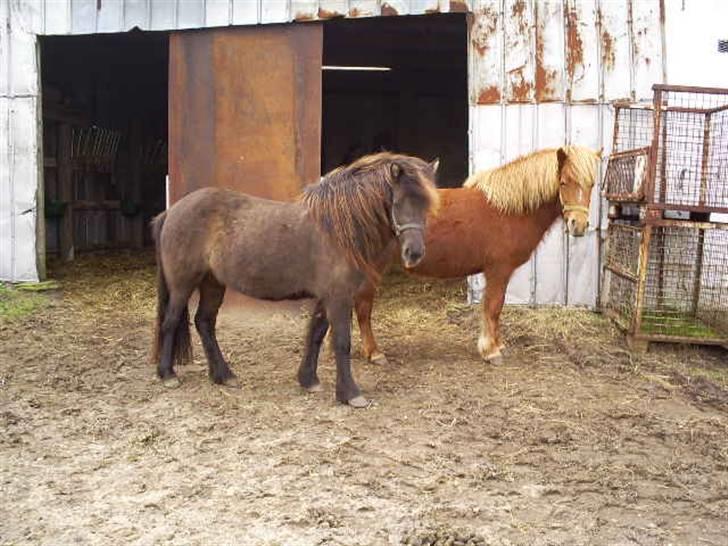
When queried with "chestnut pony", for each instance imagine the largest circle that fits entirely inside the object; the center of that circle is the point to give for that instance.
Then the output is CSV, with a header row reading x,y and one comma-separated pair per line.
x,y
492,225
323,246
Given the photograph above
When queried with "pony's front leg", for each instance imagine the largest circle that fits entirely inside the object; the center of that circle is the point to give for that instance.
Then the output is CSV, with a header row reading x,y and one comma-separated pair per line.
x,y
315,333
489,342
363,303
347,391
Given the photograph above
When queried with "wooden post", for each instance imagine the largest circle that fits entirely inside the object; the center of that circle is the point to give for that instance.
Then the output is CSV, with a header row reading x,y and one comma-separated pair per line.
x,y
65,192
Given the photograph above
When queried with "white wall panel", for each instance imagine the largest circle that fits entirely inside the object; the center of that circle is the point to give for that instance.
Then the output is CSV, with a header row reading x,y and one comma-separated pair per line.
x,y
163,15
218,13
137,14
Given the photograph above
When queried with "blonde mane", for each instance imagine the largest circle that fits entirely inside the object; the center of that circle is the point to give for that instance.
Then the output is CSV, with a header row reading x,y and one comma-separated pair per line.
x,y
526,183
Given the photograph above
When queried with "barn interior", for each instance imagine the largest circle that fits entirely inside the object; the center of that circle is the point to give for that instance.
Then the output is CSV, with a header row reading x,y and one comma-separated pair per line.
x,y
104,139
409,94
105,117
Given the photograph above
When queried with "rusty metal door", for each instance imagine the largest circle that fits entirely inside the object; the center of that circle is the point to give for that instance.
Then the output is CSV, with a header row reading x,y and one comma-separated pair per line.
x,y
245,109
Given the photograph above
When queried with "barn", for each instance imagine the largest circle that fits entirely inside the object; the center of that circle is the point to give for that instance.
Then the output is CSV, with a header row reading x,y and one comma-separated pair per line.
x,y
111,108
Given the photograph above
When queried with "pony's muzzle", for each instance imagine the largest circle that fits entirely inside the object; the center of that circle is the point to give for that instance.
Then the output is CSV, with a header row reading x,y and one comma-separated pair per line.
x,y
575,227
411,255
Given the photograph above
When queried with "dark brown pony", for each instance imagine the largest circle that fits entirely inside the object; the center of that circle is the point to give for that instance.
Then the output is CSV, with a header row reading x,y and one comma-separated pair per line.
x,y
492,225
322,246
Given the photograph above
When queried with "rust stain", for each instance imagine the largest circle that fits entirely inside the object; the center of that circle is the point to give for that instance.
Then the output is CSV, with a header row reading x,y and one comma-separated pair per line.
x,y
430,11
486,23
489,95
518,9
608,55
388,10
574,46
303,17
545,81
520,87
458,6
356,12
326,14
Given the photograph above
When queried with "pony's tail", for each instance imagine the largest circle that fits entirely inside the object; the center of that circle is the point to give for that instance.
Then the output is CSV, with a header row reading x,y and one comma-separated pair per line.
x,y
182,345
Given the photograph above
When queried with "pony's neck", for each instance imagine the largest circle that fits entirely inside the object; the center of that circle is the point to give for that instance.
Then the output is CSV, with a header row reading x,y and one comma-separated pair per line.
x,y
547,214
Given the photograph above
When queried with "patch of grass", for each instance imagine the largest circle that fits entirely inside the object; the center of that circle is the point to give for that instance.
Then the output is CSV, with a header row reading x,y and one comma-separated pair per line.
x,y
16,304
676,324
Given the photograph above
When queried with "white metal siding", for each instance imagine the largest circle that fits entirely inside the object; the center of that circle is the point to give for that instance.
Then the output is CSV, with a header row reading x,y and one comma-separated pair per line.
x,y
530,87
19,137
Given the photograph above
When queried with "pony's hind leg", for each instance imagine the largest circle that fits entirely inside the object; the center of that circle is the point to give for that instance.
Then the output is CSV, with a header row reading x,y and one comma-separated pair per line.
x,y
363,303
315,333
489,342
211,296
175,334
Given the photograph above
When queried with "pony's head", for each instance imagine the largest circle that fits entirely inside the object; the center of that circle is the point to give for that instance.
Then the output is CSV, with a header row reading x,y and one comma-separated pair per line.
x,y
363,204
413,196
577,170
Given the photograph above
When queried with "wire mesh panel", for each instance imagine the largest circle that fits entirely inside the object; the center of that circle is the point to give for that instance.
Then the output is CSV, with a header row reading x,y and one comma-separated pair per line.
x,y
685,296
623,249
686,283
692,157
620,298
626,175
633,127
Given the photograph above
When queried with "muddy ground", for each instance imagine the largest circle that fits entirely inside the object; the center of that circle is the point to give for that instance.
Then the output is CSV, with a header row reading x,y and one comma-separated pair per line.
x,y
572,441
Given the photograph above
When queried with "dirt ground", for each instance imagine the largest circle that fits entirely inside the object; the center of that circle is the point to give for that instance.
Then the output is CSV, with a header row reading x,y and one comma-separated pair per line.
x,y
572,441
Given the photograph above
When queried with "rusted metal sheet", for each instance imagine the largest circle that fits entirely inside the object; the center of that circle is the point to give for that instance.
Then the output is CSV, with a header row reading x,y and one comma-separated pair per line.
x,y
549,52
582,59
304,10
519,52
394,7
332,8
486,53
364,8
615,46
245,110
647,30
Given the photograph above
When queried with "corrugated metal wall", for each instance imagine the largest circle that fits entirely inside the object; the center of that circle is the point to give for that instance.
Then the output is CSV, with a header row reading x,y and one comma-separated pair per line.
x,y
542,73
19,139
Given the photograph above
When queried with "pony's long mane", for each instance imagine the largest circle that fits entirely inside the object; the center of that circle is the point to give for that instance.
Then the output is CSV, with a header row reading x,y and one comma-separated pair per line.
x,y
526,183
353,203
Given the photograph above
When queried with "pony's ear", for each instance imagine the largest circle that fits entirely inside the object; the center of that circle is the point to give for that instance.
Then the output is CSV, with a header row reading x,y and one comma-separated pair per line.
x,y
561,158
434,164
396,170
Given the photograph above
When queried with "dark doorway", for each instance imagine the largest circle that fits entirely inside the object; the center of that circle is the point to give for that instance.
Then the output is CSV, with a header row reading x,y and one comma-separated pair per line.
x,y
407,92
104,139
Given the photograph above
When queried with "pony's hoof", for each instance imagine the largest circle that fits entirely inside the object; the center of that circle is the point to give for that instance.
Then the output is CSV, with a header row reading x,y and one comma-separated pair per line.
x,y
232,382
316,387
171,382
496,360
359,402
378,359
